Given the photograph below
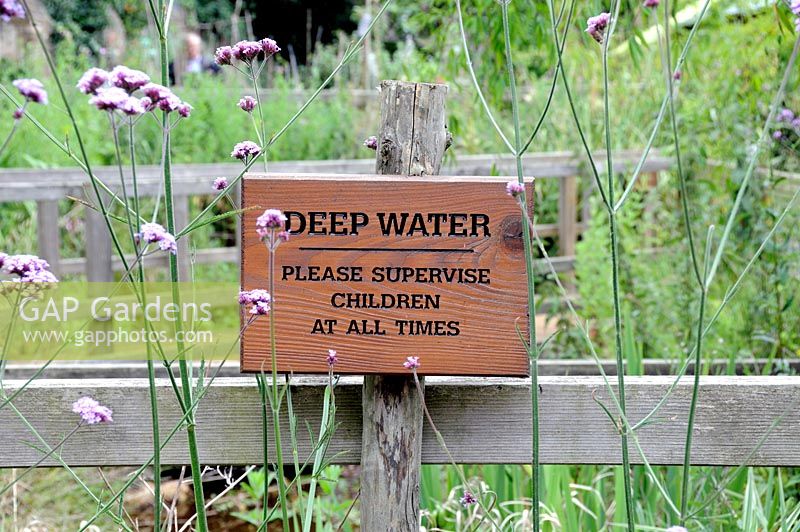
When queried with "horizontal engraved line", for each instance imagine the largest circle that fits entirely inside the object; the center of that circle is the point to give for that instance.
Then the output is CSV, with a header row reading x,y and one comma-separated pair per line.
x,y
406,250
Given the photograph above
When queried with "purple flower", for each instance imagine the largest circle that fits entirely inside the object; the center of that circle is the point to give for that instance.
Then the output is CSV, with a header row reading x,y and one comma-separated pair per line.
x,y
777,134
271,219
184,109
92,79
169,103
796,123
223,55
220,183
651,3
133,107
468,499
245,149
251,297
596,26
32,89
246,51
269,47
109,98
91,411
284,236
3,258
11,9
676,529
155,233
147,103
38,277
128,78
260,308
247,104
677,75
371,142
332,358
156,92
411,363
785,115
514,188
795,7
23,264
19,112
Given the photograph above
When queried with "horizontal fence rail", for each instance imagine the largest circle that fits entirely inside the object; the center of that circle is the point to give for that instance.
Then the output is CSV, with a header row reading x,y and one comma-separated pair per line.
x,y
125,370
752,420
48,186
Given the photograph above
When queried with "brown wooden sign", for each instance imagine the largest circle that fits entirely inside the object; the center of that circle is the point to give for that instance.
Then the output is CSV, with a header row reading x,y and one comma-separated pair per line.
x,y
380,268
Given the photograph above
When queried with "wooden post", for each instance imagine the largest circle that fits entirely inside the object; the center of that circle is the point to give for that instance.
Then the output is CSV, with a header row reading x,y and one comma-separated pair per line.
x,y
411,141
47,233
567,215
98,248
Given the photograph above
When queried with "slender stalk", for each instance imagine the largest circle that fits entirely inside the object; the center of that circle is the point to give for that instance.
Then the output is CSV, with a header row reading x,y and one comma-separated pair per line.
x,y
615,284
533,347
262,129
477,85
151,373
262,392
13,129
275,402
186,387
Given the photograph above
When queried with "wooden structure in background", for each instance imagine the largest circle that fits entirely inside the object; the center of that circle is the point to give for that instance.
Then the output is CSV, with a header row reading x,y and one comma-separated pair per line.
x,y
48,187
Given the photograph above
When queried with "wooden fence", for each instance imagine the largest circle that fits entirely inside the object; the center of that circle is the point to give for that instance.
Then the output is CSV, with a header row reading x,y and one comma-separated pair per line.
x,y
48,186
740,420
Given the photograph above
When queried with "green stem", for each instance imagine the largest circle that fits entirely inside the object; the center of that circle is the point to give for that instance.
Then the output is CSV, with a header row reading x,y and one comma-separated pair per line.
x,y
533,348
262,134
687,450
13,130
615,284
191,436
276,407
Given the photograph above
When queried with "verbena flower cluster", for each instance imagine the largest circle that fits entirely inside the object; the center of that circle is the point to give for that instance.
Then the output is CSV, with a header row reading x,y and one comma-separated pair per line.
x,y
258,299
411,363
11,9
245,150
514,188
596,26
333,358
32,90
153,233
114,91
785,122
220,184
468,499
247,104
245,51
371,142
27,268
92,412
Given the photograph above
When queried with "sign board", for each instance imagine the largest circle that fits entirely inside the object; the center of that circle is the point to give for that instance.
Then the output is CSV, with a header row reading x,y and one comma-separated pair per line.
x,y
380,268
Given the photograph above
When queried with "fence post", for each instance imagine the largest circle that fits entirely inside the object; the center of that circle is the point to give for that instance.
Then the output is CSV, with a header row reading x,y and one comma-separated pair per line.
x,y
411,141
99,268
47,232
567,215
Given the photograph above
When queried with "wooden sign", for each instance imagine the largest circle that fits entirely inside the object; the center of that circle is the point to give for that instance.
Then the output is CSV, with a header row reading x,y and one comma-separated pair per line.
x,y
380,268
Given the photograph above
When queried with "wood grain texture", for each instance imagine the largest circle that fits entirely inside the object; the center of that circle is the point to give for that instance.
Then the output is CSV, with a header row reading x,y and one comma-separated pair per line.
x,y
123,370
22,184
486,313
483,420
